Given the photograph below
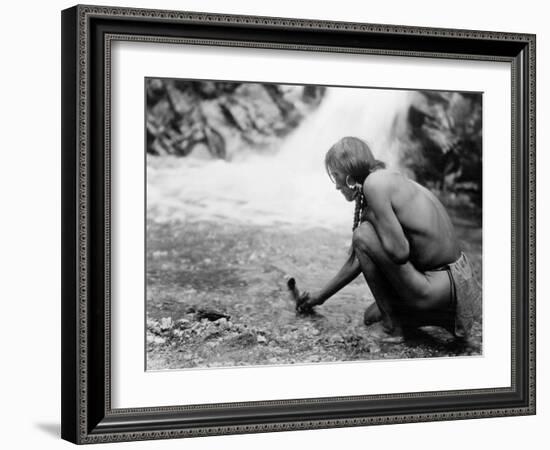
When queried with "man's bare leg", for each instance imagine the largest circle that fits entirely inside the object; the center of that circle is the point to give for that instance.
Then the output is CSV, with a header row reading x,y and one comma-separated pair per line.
x,y
384,308
422,294
372,314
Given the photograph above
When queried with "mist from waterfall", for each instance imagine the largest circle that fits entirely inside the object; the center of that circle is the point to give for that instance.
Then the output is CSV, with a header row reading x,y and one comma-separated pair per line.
x,y
289,187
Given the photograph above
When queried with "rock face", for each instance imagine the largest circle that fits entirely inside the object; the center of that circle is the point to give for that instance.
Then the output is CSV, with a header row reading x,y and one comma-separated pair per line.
x,y
187,117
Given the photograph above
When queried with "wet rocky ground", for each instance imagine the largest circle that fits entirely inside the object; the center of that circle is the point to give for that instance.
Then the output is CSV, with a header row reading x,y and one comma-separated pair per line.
x,y
217,296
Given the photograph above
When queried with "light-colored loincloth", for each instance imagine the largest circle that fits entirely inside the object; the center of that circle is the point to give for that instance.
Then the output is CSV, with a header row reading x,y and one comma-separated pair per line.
x,y
465,295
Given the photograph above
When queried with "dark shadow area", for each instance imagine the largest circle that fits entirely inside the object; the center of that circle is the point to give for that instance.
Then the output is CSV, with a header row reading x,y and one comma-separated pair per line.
x,y
440,340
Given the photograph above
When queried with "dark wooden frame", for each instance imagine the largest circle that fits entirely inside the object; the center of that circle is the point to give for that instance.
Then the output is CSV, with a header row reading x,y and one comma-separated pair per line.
x,y
87,32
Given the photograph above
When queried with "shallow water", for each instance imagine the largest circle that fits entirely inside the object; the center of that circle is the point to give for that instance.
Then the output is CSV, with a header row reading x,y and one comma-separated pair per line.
x,y
240,270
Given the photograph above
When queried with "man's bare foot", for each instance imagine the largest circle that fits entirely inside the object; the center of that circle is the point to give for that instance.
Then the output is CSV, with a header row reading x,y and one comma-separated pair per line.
x,y
396,339
384,335
372,314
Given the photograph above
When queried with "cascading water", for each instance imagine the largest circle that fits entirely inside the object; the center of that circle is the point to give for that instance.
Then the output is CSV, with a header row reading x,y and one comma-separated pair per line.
x,y
289,187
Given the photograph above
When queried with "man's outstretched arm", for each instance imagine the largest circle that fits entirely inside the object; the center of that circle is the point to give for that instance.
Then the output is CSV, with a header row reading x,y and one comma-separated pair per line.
x,y
349,272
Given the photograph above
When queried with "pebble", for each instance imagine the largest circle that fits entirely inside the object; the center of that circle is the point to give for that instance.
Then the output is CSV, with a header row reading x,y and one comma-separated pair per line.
x,y
154,327
155,339
166,323
261,339
223,323
373,348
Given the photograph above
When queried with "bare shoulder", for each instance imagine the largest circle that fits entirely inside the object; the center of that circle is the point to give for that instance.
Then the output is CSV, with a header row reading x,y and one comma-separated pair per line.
x,y
384,182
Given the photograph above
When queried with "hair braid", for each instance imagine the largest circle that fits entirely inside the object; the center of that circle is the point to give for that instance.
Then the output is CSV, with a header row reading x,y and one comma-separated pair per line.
x,y
359,205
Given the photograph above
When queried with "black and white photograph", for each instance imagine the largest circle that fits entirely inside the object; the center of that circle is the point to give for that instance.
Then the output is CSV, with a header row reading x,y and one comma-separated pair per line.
x,y
299,224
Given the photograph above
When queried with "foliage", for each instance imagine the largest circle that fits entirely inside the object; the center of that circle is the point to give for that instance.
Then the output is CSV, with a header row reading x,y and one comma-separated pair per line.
x,y
442,144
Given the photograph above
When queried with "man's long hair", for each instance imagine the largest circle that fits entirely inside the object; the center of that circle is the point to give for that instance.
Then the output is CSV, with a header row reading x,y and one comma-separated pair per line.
x,y
352,156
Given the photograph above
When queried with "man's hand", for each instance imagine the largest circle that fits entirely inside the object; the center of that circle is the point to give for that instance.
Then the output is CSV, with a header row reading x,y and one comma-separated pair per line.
x,y
307,301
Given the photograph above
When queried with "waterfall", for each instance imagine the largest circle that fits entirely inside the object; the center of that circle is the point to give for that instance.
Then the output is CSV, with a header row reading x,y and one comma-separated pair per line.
x,y
288,188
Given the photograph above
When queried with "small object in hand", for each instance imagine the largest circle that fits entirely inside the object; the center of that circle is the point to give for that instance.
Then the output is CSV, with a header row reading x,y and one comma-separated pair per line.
x,y
299,297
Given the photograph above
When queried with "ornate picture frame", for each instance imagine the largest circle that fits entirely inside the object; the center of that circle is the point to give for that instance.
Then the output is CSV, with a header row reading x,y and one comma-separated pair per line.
x,y
88,33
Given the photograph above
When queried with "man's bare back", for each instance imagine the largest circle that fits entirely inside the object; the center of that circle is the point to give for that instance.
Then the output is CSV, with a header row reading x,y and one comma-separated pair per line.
x,y
422,218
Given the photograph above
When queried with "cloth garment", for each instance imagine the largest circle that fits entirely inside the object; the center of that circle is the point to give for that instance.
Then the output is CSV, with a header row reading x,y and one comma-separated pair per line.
x,y
466,295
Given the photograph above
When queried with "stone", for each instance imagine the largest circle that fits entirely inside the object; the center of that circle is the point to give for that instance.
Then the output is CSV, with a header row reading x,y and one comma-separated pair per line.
x,y
200,151
166,323
183,323
151,339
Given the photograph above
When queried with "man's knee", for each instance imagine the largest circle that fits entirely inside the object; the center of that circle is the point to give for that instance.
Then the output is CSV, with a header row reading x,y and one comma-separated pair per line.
x,y
365,238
